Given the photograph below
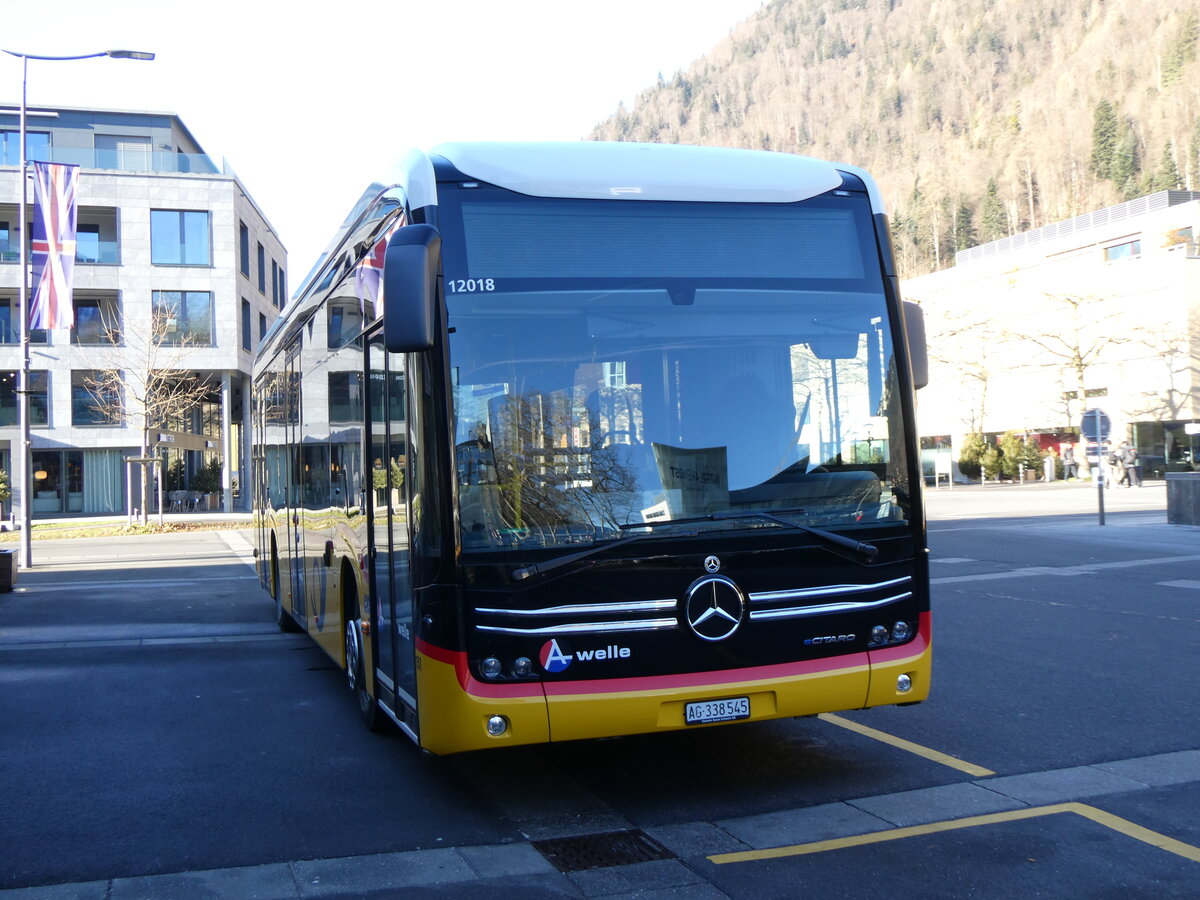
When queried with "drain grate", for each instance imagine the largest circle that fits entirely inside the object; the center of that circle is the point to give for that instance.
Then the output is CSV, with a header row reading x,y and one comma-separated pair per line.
x,y
600,851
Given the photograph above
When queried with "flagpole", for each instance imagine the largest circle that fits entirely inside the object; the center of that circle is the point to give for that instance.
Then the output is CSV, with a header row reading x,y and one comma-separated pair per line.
x,y
20,457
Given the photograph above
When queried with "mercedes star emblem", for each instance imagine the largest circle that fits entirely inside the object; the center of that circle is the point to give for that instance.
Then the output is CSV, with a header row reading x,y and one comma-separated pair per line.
x,y
712,565
714,608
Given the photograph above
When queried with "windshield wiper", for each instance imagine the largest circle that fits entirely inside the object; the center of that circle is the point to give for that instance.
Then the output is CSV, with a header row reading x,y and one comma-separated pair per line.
x,y
558,562
869,551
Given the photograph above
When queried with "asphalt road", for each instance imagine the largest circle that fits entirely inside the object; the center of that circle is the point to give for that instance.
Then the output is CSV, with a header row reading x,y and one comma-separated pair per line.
x,y
161,738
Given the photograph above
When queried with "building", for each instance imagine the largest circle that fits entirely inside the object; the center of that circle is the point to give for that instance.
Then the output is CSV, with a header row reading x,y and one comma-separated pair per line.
x,y
1100,311
163,229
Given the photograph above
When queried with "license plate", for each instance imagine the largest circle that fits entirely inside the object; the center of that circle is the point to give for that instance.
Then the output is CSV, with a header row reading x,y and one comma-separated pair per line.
x,y
726,710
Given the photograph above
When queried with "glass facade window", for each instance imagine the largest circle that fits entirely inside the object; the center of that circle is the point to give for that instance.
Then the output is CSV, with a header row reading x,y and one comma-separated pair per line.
x,y
345,397
244,248
95,398
183,317
9,250
77,481
37,146
262,269
87,243
247,338
345,321
96,237
39,398
1128,250
179,238
262,326
10,325
97,320
128,153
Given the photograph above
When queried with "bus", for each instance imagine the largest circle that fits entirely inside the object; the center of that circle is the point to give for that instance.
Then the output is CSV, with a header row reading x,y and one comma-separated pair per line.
x,y
576,440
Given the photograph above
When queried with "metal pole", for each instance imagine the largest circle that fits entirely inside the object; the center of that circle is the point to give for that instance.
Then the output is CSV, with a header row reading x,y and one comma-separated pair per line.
x,y
1100,461
21,454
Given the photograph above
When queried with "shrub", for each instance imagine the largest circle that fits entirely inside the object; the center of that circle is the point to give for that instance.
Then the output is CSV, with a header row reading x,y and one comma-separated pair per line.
x,y
970,453
207,479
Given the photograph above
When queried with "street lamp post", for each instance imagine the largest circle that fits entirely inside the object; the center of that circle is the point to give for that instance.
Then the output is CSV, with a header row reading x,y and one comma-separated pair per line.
x,y
21,455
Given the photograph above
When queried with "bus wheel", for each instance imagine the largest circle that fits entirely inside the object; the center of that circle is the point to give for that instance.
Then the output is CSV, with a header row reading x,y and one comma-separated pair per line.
x,y
356,674
282,617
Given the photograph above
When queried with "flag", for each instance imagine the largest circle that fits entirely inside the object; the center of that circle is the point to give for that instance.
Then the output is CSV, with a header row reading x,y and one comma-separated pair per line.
x,y
368,277
54,216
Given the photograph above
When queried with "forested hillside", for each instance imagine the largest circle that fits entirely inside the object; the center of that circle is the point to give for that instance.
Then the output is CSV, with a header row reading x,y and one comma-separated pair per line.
x,y
979,118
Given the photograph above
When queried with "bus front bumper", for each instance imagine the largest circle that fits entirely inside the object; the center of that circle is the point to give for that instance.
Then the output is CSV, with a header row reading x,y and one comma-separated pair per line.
x,y
456,709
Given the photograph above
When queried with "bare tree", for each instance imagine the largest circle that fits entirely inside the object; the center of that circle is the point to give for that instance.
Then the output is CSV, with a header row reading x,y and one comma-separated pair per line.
x,y
1076,332
1179,371
966,341
148,384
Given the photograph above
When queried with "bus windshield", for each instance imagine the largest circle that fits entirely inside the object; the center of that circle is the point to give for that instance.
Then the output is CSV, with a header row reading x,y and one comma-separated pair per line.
x,y
621,364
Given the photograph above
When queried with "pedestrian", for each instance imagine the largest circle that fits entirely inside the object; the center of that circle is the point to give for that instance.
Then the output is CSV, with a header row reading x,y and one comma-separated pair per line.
x,y
1116,466
1070,467
1111,460
1132,474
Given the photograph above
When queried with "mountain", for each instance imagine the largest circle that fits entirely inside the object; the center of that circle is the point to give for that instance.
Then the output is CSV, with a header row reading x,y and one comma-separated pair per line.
x,y
978,118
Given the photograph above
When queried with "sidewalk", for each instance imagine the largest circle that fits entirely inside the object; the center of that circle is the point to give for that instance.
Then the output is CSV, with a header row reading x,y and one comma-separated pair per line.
x,y
694,850
1040,499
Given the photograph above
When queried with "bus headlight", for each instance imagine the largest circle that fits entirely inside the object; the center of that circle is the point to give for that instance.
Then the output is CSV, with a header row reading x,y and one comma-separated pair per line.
x,y
879,634
490,667
497,725
901,632
522,666
903,684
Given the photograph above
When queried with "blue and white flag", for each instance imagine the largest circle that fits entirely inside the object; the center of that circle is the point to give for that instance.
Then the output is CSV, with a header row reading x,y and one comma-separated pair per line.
x,y
54,216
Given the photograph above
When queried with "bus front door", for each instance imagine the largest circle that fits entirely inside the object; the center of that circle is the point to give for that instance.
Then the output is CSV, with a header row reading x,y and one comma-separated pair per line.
x,y
388,454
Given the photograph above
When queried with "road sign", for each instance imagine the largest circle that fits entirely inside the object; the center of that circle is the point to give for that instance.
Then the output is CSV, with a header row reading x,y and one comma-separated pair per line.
x,y
1095,426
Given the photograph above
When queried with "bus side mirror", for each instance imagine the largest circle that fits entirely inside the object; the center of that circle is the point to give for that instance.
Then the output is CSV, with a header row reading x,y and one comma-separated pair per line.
x,y
410,268
918,354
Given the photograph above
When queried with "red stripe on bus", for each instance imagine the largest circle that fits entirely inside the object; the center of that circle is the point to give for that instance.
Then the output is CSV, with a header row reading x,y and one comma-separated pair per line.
x,y
705,679
469,683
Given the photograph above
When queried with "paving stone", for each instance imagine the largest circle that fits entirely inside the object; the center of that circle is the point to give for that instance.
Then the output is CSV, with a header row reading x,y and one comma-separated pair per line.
x,y
802,826
498,860
380,872
695,839
1060,785
937,804
270,882
658,875
1182,767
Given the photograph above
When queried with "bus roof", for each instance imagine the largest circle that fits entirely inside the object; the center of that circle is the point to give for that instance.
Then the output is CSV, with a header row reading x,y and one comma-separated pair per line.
x,y
633,171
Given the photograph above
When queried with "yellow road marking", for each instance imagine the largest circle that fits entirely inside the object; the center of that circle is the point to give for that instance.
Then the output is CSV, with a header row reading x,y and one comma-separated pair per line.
x,y
1108,820
944,759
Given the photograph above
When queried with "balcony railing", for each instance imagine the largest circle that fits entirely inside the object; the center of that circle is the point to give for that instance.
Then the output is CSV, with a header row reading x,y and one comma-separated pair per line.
x,y
107,253
158,161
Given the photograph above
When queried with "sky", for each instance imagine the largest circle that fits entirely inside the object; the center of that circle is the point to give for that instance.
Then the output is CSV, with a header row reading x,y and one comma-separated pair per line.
x,y
311,102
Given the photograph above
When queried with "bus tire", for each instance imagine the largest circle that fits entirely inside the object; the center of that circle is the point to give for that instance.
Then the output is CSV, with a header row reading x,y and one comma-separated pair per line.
x,y
282,617
356,673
